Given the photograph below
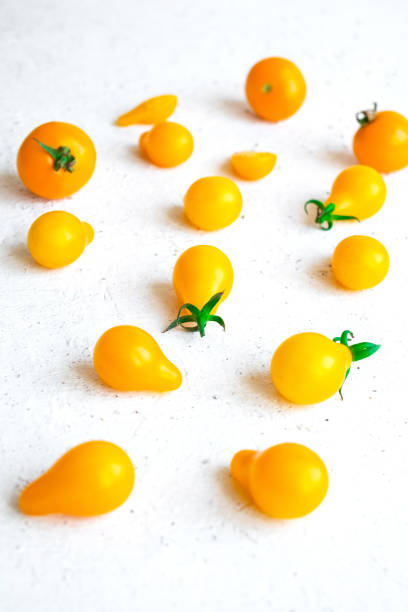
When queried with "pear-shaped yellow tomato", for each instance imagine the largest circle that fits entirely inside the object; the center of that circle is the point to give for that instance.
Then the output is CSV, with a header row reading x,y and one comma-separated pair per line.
x,y
128,359
360,262
92,478
212,203
167,144
382,140
202,279
58,238
357,193
251,165
308,368
153,110
285,481
56,160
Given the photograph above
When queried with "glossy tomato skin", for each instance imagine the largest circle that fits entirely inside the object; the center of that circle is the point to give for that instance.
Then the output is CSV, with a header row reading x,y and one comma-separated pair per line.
x,y
285,481
212,203
91,479
275,88
36,167
383,142
167,144
201,272
308,368
253,165
57,239
359,191
360,262
127,358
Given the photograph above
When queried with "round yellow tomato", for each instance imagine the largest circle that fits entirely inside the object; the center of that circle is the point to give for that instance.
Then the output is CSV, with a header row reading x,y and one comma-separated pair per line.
x,y
167,144
56,160
357,193
360,262
202,279
58,238
128,359
285,481
251,165
382,140
275,88
212,203
90,479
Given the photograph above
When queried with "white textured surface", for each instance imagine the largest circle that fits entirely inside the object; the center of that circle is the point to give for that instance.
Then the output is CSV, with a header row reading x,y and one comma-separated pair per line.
x,y
185,540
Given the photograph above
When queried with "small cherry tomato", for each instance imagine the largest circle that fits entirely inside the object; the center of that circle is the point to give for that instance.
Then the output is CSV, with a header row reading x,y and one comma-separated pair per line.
x,y
382,140
285,481
56,160
308,368
153,110
58,238
213,202
202,279
275,88
167,144
251,165
128,359
92,478
360,262
357,193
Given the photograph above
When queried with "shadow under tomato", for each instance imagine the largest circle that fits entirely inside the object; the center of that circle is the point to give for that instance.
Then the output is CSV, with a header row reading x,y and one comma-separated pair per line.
x,y
86,372
137,154
11,186
164,297
320,274
237,108
340,158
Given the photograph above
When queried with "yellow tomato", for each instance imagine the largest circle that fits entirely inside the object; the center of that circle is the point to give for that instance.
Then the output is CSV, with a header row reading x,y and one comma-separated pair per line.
x,y
251,165
128,359
90,479
153,110
58,238
360,262
167,144
212,203
308,368
357,193
202,279
382,140
285,481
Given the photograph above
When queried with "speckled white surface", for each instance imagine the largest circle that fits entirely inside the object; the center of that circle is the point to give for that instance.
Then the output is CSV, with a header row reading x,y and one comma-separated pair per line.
x,y
185,540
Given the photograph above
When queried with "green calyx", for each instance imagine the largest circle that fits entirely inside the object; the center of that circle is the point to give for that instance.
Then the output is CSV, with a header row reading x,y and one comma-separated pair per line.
x,y
359,351
197,316
266,88
62,157
325,216
367,116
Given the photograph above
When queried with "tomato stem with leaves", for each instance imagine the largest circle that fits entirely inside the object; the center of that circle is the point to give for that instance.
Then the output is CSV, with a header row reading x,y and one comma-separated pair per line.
x,y
359,351
367,116
62,157
325,214
197,316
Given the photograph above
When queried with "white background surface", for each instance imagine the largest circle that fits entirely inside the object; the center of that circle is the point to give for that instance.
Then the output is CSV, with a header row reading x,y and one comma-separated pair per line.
x,y
185,540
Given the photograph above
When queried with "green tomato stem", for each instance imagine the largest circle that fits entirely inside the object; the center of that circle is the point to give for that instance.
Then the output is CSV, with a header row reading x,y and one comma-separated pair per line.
x,y
325,214
367,116
359,351
62,157
197,316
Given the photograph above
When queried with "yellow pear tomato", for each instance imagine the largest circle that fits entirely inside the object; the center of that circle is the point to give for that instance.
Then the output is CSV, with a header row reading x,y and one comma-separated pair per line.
x,y
251,165
357,193
128,359
213,202
92,478
202,279
360,262
285,481
151,111
308,368
58,238
167,144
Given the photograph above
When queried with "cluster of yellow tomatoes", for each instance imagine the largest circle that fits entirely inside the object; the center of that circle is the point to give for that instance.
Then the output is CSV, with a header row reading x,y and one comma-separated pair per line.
x,y
56,159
